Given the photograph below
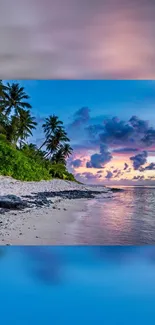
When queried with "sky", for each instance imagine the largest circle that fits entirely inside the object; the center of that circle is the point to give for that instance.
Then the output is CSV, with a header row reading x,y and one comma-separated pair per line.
x,y
77,39
111,124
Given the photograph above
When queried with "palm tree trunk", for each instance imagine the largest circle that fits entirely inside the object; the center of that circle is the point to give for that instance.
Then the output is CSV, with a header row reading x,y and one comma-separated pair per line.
x,y
42,144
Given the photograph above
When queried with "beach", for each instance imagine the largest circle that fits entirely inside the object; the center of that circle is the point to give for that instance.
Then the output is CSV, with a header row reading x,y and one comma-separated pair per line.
x,y
45,212
60,212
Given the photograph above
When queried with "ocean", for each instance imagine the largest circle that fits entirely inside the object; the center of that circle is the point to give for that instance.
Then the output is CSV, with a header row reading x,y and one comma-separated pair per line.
x,y
127,218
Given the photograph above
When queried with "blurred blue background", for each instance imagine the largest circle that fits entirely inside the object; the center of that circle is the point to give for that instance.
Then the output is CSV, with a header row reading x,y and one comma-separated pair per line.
x,y
77,285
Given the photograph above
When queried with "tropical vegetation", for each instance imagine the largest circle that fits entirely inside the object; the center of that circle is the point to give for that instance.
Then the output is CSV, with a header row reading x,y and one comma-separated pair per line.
x,y
18,157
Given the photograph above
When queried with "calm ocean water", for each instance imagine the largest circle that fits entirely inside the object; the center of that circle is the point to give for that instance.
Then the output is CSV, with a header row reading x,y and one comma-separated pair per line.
x,y
126,219
77,285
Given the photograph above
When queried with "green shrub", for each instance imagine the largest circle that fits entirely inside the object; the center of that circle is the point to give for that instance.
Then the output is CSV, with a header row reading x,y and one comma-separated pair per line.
x,y
14,163
60,171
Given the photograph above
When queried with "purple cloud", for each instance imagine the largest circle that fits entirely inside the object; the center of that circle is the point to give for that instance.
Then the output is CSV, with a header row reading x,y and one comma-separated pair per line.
x,y
149,137
131,135
116,131
118,174
149,167
88,176
126,166
125,150
139,159
109,174
81,117
139,125
138,178
98,160
76,163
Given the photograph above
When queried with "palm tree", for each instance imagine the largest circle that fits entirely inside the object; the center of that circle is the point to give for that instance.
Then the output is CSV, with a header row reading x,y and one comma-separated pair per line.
x,y
58,157
14,98
54,142
18,128
3,123
2,95
51,125
30,146
26,123
67,150
2,88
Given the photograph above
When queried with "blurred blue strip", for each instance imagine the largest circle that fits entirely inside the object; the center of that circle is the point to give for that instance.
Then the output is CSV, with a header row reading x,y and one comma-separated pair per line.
x,y
77,285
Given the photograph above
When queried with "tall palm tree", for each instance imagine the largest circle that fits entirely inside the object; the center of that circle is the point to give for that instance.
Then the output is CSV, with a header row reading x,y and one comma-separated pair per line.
x,y
26,123
67,150
3,123
51,125
2,95
11,130
14,99
54,142
60,156
20,127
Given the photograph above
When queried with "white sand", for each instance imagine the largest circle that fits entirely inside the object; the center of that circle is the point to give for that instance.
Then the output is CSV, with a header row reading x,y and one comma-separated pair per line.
x,y
41,226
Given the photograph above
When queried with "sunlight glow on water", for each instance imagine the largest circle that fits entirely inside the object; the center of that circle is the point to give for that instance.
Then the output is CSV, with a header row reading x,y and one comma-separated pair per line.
x,y
126,219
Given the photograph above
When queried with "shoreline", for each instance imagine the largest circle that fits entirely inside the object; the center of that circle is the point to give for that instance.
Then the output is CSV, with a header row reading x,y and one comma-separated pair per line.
x,y
43,213
42,226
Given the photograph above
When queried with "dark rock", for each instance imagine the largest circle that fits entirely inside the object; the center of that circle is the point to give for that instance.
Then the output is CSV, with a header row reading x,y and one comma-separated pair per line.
x,y
117,189
12,202
38,200
73,194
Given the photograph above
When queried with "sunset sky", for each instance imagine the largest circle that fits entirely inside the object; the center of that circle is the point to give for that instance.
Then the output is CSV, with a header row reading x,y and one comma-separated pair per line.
x,y
111,125
77,39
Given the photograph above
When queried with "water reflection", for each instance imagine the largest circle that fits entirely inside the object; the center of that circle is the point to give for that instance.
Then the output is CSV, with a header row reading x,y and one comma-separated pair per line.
x,y
126,219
